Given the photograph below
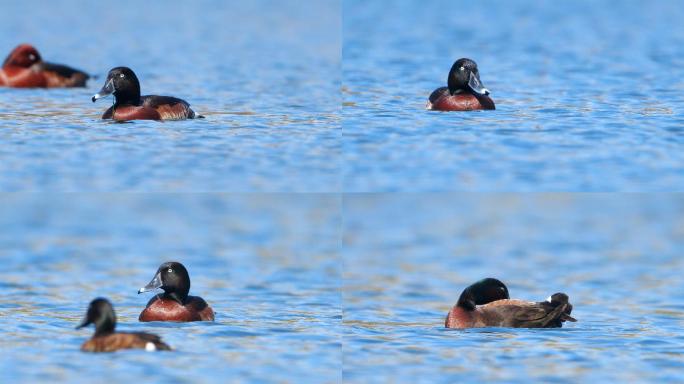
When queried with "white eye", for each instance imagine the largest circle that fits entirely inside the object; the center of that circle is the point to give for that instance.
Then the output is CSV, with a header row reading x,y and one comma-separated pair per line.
x,y
122,75
462,69
169,270
32,57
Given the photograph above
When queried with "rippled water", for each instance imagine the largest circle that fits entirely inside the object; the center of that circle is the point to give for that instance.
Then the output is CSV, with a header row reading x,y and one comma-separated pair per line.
x,y
589,96
329,96
268,265
619,258
264,73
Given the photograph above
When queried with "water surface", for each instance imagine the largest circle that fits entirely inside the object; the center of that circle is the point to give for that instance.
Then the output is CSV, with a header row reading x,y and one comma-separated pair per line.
x,y
589,96
265,74
268,265
619,258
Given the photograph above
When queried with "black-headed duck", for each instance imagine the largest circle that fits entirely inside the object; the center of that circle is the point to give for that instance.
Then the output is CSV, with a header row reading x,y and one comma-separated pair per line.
x,y
129,105
487,304
464,92
101,313
174,304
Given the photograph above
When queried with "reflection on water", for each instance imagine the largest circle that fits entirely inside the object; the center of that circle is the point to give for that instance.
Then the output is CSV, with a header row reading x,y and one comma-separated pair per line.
x,y
408,257
268,266
588,96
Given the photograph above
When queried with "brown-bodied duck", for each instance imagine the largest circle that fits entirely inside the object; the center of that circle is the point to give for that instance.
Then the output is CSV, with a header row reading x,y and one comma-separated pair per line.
x,y
101,313
175,304
464,90
487,304
130,105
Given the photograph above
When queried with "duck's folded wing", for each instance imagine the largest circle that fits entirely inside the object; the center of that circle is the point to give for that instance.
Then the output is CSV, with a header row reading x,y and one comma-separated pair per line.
x,y
530,313
169,108
62,75
540,316
113,342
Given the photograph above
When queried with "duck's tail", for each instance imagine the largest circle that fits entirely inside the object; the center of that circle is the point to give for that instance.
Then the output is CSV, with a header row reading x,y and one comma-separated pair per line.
x,y
194,115
560,312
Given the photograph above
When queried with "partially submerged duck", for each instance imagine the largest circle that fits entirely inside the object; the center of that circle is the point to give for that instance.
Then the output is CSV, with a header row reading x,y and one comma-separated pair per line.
x,y
174,304
130,105
464,92
101,313
487,304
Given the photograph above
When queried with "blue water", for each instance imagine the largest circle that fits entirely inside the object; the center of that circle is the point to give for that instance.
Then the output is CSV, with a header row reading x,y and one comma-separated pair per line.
x,y
589,96
265,74
619,258
329,96
268,265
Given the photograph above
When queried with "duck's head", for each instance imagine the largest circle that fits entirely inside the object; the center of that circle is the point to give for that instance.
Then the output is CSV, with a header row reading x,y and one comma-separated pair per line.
x,y
123,84
173,278
482,292
465,77
101,313
24,55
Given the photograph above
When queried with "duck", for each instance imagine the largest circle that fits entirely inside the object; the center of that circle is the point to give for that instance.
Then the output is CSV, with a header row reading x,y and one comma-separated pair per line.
x,y
174,304
25,68
486,303
106,339
130,105
464,90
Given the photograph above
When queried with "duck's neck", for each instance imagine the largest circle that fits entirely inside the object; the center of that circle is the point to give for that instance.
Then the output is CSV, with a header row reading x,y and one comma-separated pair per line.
x,y
127,97
106,327
175,296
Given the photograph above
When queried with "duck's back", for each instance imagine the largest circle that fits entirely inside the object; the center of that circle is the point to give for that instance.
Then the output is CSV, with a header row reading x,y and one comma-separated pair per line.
x,y
115,341
524,314
58,75
168,107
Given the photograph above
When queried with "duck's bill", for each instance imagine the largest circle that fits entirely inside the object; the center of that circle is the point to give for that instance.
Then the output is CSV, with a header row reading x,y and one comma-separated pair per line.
x,y
84,322
106,90
154,284
476,85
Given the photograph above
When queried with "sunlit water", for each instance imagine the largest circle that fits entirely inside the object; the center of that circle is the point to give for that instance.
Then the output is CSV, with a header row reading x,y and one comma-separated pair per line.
x,y
619,258
268,266
266,74
589,96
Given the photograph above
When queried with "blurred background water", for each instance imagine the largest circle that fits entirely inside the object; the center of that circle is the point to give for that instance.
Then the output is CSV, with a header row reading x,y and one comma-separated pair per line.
x,y
589,96
267,264
265,73
407,258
